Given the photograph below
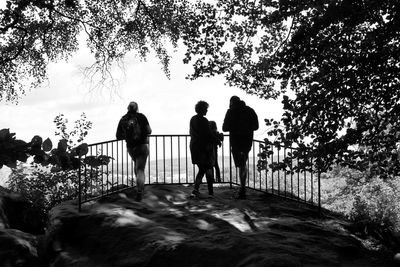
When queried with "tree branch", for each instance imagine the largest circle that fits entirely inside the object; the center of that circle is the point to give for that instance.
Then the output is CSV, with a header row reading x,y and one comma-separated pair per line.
x,y
287,37
4,60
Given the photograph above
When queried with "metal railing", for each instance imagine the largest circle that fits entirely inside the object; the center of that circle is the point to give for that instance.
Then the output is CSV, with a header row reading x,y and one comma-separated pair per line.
x,y
169,162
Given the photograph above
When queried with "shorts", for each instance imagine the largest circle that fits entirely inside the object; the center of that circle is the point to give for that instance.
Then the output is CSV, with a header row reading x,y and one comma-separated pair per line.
x,y
240,157
139,155
241,146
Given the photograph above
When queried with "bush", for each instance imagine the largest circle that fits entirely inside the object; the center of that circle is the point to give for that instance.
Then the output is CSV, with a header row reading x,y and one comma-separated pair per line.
x,y
375,207
42,188
370,202
51,177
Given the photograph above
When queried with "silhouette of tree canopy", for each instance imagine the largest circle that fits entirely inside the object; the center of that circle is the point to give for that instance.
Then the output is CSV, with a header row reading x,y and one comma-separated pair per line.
x,y
337,64
36,32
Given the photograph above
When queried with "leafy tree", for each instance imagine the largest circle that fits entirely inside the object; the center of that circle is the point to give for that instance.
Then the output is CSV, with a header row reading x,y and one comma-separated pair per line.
x,y
36,32
337,61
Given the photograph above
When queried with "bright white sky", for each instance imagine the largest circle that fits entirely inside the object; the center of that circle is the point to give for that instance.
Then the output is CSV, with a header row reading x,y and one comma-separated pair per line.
x,y
168,104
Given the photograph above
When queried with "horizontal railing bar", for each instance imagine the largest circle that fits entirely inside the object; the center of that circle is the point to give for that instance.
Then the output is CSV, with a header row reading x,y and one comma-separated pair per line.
x,y
152,135
181,135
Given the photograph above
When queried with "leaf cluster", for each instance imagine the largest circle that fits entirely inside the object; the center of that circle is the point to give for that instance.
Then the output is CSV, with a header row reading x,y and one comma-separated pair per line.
x,y
66,156
13,150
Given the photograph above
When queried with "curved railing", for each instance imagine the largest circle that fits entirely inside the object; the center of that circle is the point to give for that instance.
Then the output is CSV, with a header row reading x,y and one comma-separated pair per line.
x,y
169,162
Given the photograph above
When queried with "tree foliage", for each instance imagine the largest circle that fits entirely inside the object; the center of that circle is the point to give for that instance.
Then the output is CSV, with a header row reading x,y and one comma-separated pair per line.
x,y
76,136
13,150
67,156
36,32
336,61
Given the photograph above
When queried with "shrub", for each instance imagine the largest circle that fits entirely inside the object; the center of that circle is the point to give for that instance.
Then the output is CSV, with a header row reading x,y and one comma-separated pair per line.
x,y
42,188
369,201
50,180
375,207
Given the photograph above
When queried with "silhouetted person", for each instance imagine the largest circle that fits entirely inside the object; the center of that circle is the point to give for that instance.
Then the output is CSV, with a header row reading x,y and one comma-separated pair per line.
x,y
134,128
218,138
241,121
201,144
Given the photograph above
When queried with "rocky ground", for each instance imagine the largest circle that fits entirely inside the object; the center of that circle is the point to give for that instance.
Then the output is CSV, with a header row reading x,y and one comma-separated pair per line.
x,y
169,229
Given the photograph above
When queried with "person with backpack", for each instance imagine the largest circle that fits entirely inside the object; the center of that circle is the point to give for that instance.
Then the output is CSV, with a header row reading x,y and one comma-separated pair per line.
x,y
240,121
201,148
135,129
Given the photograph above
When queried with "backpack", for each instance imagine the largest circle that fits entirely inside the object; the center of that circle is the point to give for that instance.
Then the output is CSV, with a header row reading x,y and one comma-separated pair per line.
x,y
133,129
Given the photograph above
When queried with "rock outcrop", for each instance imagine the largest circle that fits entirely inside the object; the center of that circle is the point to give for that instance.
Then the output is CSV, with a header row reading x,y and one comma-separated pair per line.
x,y
20,241
168,229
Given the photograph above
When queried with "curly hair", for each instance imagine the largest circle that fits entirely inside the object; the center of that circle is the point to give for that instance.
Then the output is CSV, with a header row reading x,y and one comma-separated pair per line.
x,y
201,107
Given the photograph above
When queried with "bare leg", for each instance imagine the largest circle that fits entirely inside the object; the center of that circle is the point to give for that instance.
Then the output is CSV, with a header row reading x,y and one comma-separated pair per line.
x,y
243,177
210,181
140,165
216,166
217,172
199,178
139,155
140,176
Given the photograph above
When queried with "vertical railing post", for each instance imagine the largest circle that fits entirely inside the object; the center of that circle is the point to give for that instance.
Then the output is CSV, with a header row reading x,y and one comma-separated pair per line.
x,y
172,162
79,186
230,165
148,163
278,148
223,161
163,140
179,159
319,192
186,159
266,168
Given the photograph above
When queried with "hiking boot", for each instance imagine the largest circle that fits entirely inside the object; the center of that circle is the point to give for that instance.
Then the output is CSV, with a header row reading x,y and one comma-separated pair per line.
x,y
195,194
